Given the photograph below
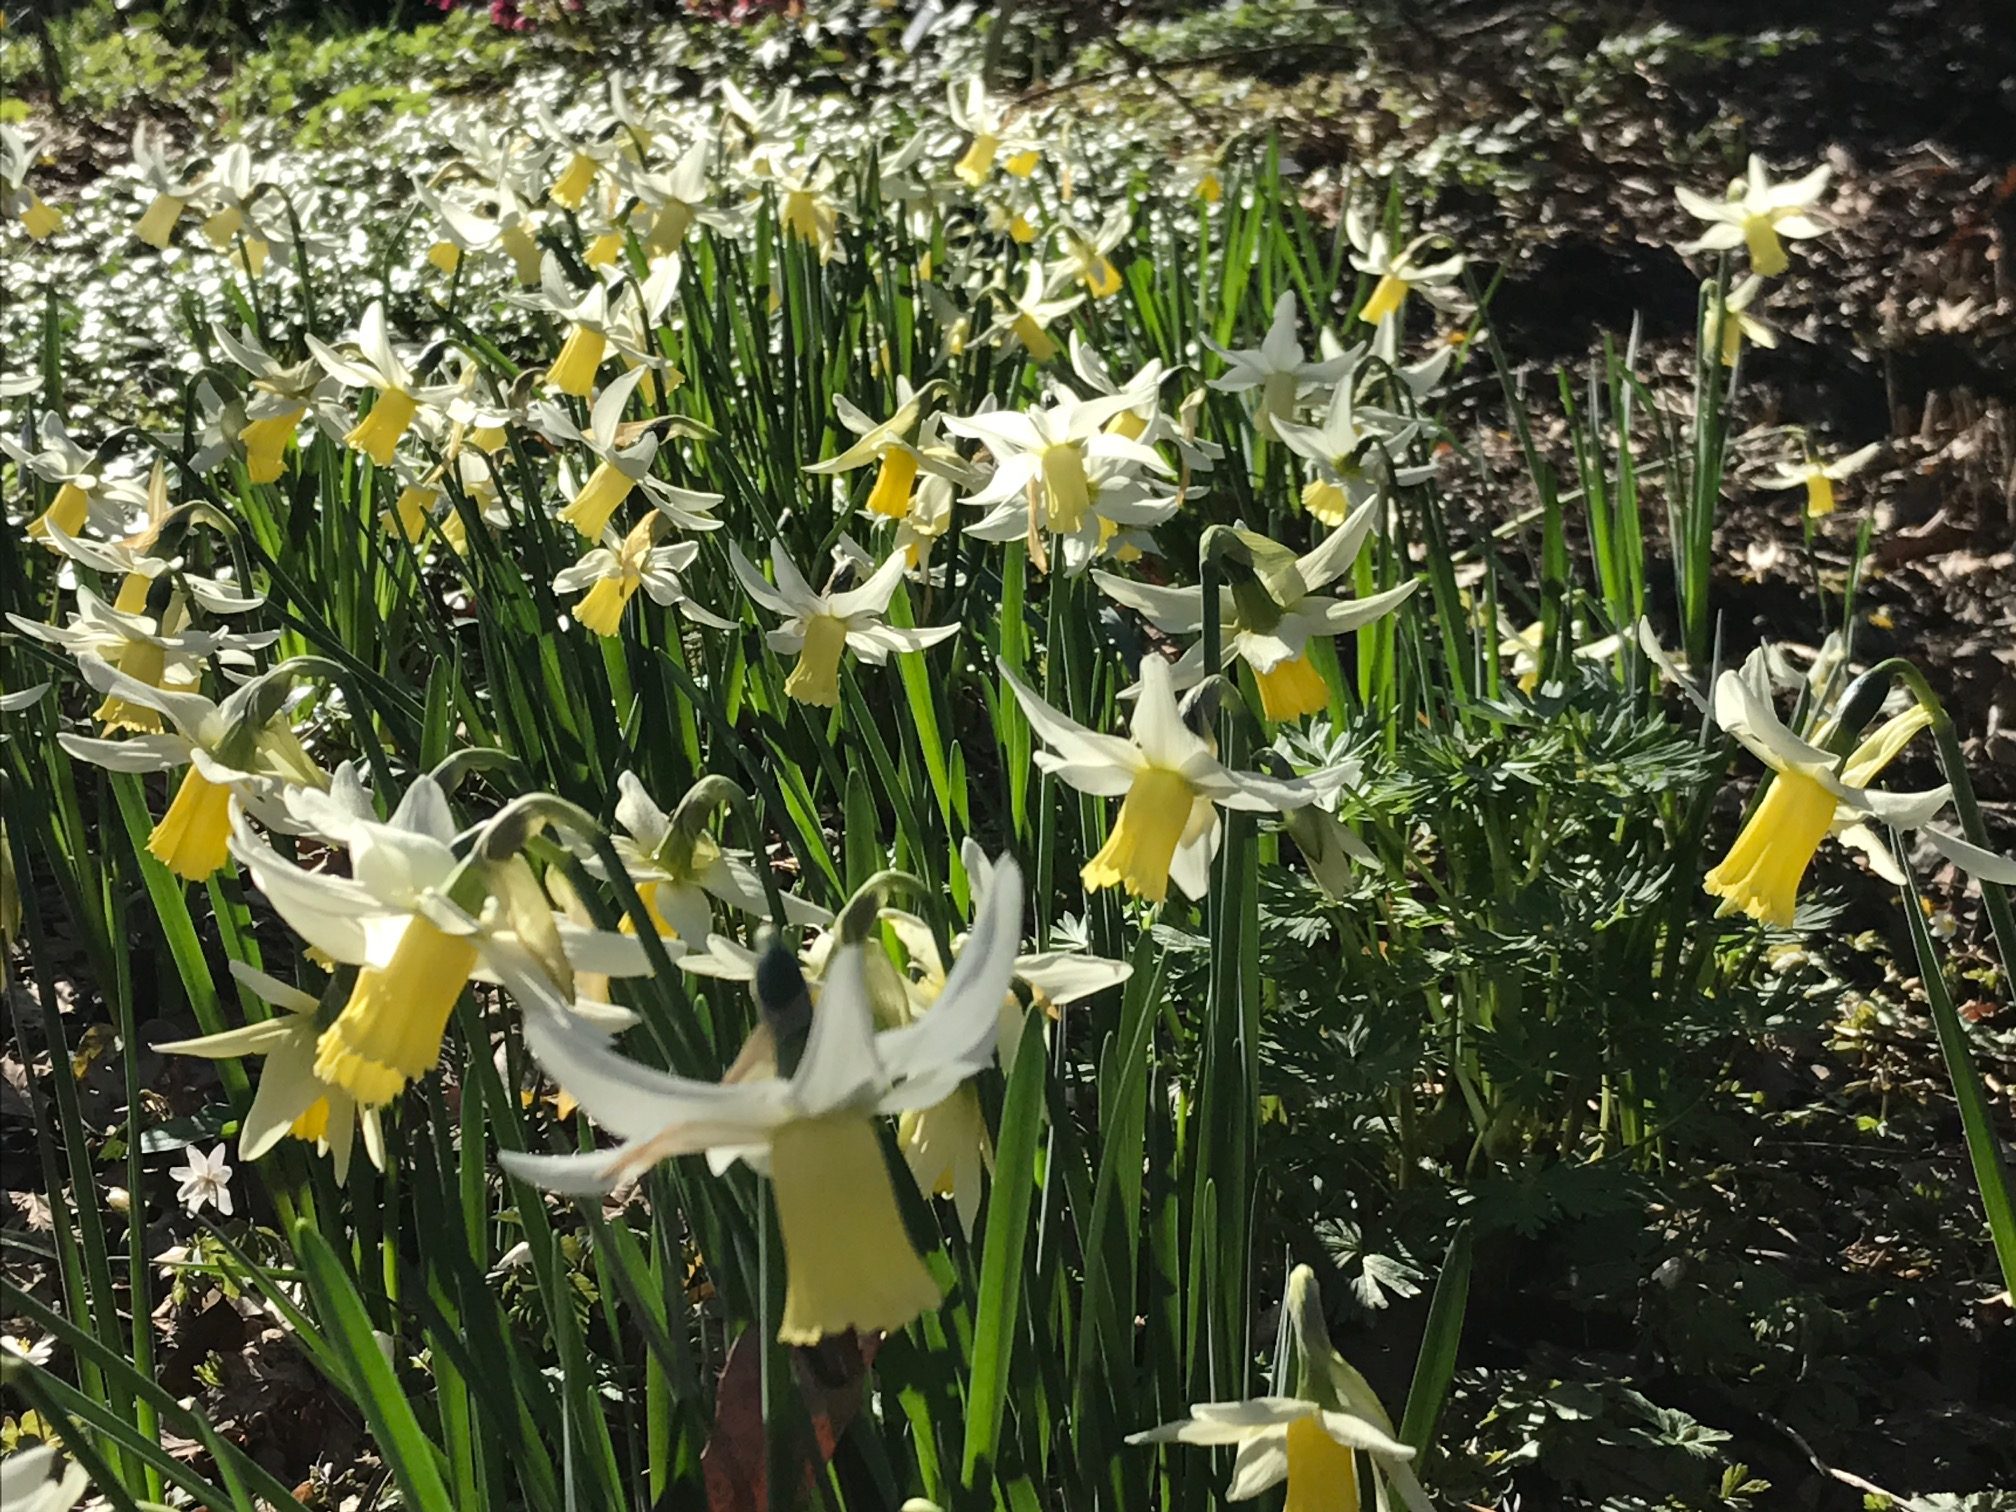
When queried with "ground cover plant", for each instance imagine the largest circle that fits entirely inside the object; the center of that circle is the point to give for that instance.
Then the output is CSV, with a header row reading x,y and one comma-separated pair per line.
x,y
727,789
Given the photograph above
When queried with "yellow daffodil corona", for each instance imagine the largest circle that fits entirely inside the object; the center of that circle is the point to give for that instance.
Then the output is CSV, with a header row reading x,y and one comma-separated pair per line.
x,y
193,838
848,1258
390,1030
1761,874
1152,820
377,433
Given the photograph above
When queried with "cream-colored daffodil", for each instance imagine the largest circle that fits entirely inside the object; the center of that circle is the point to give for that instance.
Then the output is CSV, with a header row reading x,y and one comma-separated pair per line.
x,y
1356,452
413,916
1732,317
374,364
291,1098
620,468
822,626
1044,455
18,202
1756,214
1025,322
1270,610
165,188
1170,780
1311,1436
611,574
849,1261
1278,368
1818,478
679,870
243,745
881,444
1399,273
984,119
84,493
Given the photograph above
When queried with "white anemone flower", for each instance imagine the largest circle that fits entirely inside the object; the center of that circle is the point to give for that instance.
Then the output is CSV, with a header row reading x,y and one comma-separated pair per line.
x,y
205,1181
1278,368
1756,213
1172,784
1269,616
849,1262
822,625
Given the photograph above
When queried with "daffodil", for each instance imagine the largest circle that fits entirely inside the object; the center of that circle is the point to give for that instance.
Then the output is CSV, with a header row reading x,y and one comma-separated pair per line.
x,y
1733,318
1270,611
946,1144
612,573
674,201
159,651
1026,320
849,1262
1311,1436
1756,214
84,493
1812,795
378,367
1170,780
620,468
228,195
166,190
281,395
881,444
1399,273
1045,457
822,626
243,745
586,319
581,159
979,114
1818,478
17,200
34,1480
1089,253
1356,451
1278,368
291,1099
680,871
807,210
412,917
